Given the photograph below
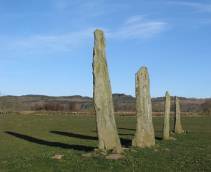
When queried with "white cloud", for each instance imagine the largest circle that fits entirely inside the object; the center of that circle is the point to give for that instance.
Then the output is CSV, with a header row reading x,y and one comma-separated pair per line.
x,y
47,43
206,21
134,19
82,8
137,27
201,7
65,41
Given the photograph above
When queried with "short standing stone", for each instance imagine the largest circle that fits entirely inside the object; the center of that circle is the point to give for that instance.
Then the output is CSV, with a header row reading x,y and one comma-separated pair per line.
x,y
166,126
177,123
106,125
144,136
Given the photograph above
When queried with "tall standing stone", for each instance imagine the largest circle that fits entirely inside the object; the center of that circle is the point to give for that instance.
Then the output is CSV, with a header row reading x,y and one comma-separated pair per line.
x,y
106,125
177,123
166,125
144,136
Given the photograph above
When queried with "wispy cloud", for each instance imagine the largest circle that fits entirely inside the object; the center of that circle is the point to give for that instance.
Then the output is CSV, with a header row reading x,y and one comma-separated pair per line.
x,y
206,21
201,7
64,42
137,27
76,4
91,8
45,44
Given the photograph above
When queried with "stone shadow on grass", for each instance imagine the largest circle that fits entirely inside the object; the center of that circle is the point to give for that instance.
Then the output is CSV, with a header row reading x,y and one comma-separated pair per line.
x,y
158,138
130,129
49,143
75,135
125,142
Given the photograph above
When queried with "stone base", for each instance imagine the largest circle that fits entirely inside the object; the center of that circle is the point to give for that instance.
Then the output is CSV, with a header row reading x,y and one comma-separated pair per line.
x,y
106,154
115,156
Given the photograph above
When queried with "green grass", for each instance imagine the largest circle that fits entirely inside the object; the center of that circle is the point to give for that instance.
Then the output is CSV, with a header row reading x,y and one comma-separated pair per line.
x,y
28,142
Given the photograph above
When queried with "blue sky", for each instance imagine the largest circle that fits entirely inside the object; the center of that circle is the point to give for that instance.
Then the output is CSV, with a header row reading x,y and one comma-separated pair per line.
x,y
46,45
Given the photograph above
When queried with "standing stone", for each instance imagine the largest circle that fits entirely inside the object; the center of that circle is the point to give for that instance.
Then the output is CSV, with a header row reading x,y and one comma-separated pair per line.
x,y
144,136
106,125
177,123
166,126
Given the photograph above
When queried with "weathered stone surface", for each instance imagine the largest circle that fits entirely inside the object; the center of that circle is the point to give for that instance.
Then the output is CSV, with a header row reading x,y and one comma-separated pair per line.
x,y
115,156
57,157
166,125
144,136
106,125
177,123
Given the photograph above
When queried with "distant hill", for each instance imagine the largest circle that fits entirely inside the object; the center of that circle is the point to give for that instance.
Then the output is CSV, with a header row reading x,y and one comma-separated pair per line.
x,y
77,103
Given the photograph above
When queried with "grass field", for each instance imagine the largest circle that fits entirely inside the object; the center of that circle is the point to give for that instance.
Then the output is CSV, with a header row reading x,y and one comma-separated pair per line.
x,y
28,142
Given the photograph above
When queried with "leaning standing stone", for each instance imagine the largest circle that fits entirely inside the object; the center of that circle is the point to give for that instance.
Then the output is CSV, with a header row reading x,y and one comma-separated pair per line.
x,y
144,136
106,125
166,126
177,124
